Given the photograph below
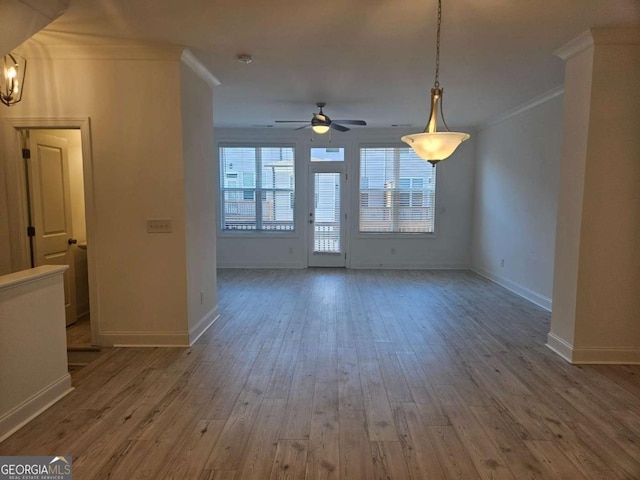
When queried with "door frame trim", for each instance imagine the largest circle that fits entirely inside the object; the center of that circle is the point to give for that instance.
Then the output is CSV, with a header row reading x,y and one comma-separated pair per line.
x,y
342,170
17,202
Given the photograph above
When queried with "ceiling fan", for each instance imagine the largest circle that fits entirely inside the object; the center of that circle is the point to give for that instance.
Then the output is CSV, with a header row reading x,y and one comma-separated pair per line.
x,y
321,123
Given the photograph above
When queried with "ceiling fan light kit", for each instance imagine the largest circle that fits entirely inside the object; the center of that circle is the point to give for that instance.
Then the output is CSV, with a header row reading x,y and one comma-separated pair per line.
x,y
321,123
431,145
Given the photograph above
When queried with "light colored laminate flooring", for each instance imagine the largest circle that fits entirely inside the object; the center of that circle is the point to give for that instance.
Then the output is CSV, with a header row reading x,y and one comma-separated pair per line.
x,y
350,374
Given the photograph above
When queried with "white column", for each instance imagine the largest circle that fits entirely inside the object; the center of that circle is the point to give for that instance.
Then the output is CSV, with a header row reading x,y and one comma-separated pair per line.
x,y
596,294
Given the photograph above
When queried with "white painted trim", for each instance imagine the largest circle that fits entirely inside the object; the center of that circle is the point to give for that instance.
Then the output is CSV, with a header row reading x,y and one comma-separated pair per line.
x,y
51,9
144,339
296,265
528,105
32,275
22,414
409,266
558,345
524,292
593,355
191,61
203,325
606,355
616,36
575,46
121,51
16,199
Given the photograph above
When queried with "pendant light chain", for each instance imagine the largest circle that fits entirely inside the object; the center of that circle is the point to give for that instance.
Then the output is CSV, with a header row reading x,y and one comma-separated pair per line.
x,y
437,82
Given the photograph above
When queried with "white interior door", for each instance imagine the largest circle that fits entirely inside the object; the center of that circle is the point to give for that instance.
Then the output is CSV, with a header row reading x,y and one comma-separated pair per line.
x,y
326,216
51,209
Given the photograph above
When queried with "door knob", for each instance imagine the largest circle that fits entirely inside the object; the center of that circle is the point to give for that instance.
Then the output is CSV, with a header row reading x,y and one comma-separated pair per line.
x,y
72,241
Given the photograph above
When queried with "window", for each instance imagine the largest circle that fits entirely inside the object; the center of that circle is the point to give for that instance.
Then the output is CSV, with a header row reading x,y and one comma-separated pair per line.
x,y
330,154
257,188
397,191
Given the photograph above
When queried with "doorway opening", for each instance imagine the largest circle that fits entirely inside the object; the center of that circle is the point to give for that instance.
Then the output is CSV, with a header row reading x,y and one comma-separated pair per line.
x,y
327,195
51,221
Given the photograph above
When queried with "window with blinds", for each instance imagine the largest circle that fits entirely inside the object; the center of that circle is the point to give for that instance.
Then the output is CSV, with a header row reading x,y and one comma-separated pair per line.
x,y
257,188
397,191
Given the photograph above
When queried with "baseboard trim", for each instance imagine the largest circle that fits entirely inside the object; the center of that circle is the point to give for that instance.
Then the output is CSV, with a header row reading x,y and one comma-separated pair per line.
x,y
563,348
203,325
144,339
606,355
593,355
19,416
409,266
524,292
296,265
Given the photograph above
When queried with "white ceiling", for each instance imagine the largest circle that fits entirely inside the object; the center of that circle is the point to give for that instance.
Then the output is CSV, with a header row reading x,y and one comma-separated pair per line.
x,y
368,59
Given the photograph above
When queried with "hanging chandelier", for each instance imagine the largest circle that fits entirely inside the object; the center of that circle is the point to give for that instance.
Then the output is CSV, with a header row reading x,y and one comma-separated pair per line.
x,y
12,80
431,145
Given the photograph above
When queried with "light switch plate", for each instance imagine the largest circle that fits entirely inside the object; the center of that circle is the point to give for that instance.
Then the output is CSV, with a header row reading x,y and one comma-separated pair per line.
x,y
158,225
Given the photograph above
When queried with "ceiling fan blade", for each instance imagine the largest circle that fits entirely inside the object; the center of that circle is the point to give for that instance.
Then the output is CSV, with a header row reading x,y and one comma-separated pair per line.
x,y
302,128
291,121
339,127
352,122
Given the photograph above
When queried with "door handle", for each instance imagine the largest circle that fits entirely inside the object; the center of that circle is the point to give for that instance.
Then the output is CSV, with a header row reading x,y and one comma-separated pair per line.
x,y
72,241
310,221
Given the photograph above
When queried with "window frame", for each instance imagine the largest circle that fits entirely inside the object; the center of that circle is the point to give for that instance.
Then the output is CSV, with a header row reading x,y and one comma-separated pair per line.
x,y
357,193
254,233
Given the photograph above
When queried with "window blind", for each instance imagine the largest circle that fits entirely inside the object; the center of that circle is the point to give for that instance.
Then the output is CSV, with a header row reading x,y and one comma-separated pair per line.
x,y
257,188
397,191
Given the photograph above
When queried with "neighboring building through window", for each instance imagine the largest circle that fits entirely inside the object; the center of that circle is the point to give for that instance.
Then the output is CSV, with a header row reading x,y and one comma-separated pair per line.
x,y
257,188
397,191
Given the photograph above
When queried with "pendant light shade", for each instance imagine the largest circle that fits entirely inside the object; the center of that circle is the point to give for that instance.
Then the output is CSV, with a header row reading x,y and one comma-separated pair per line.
x,y
435,146
12,78
431,145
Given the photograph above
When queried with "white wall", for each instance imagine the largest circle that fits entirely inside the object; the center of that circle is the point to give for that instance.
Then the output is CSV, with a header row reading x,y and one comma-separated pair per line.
x,y
596,289
33,373
448,248
200,202
138,173
516,189
20,19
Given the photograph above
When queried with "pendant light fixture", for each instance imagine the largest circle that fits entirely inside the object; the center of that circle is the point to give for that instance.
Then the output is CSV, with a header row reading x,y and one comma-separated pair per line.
x,y
431,145
12,79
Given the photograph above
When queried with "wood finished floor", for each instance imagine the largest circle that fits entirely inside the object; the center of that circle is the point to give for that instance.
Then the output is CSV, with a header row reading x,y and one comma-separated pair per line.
x,y
79,333
357,375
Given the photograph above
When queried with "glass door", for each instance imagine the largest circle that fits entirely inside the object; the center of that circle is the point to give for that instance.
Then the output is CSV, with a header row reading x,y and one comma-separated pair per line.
x,y
326,216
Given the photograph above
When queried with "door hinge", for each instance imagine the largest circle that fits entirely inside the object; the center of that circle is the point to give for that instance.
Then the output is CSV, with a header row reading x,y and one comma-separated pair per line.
x,y
31,231
26,153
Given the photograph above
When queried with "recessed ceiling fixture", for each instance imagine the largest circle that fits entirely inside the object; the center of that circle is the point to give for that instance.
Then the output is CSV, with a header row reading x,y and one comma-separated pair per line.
x,y
244,58
432,145
12,80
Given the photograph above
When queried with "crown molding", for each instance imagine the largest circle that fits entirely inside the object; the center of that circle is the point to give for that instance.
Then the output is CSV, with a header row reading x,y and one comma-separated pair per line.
x,y
575,46
190,60
528,105
51,9
599,36
616,36
33,49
